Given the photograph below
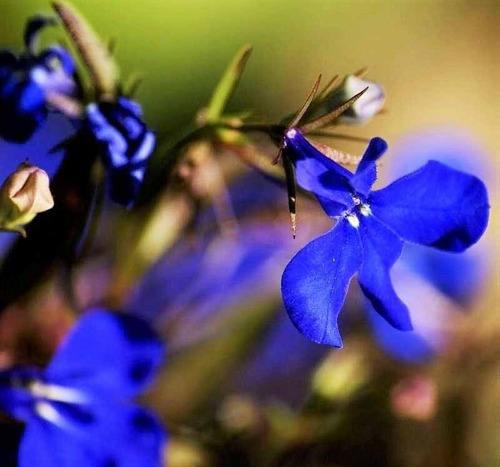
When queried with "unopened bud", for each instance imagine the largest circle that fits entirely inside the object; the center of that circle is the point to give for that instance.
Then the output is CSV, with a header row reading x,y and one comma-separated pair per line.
x,y
24,194
363,109
369,104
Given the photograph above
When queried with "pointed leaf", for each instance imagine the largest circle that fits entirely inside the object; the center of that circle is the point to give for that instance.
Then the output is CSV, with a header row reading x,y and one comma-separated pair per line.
x,y
227,84
330,117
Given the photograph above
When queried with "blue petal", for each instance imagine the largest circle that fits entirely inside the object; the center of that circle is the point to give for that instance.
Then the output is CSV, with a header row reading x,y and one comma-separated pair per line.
x,y
15,399
107,353
318,174
436,206
125,436
126,144
47,445
60,53
381,249
315,282
22,108
366,173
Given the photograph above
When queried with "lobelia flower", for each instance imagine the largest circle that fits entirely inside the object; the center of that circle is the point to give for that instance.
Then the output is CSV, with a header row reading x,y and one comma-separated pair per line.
x,y
435,206
27,80
76,410
126,144
23,195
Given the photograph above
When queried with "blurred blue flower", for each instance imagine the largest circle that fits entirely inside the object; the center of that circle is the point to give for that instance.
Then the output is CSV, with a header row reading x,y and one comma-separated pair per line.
x,y
458,277
436,284
27,79
431,314
126,144
370,230
76,410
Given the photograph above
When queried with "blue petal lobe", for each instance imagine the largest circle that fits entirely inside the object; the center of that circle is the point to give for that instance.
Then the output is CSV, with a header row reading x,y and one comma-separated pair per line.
x,y
318,174
381,249
107,353
125,436
315,282
366,173
436,206
48,445
15,398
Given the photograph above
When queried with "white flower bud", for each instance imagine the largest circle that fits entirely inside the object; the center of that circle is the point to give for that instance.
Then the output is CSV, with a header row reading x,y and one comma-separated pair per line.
x,y
369,104
24,194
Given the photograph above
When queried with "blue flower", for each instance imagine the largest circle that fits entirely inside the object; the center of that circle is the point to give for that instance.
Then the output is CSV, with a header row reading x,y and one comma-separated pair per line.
x,y
434,206
126,144
25,82
76,410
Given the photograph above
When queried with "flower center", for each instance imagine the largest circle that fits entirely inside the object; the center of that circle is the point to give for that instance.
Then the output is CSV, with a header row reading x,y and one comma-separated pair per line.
x,y
352,215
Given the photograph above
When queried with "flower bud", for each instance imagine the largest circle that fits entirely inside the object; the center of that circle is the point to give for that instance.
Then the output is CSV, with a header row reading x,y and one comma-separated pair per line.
x,y
370,103
24,194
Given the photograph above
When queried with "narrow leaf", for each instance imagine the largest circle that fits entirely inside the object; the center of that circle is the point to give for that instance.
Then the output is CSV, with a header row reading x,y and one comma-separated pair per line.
x,y
306,104
362,72
330,117
330,86
227,84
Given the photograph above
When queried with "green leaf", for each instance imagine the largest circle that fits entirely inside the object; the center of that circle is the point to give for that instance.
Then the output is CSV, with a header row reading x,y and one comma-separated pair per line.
x,y
227,84
93,51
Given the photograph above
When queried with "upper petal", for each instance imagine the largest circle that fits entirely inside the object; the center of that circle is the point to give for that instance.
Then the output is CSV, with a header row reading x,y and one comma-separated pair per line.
x,y
107,353
381,249
436,206
318,174
315,282
366,173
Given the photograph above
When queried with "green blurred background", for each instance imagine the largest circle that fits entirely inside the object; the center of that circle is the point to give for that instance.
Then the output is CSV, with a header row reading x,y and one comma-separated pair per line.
x,y
437,59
